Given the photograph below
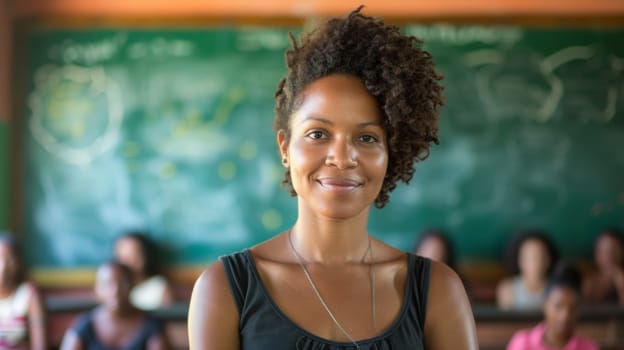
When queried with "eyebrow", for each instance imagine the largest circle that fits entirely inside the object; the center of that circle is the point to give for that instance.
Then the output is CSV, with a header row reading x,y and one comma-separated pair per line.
x,y
320,119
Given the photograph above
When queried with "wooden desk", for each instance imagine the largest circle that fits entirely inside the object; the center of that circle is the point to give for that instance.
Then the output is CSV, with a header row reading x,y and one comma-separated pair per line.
x,y
604,324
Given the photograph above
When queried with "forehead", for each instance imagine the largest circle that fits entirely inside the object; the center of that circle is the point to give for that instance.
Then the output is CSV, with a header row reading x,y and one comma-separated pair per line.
x,y
339,96
533,243
608,240
110,272
562,292
128,243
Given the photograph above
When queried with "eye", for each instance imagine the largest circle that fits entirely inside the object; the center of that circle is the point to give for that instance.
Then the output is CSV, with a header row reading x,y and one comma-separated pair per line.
x,y
368,138
316,135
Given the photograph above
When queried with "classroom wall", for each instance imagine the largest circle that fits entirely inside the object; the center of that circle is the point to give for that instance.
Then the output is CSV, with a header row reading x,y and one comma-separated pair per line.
x,y
168,129
103,13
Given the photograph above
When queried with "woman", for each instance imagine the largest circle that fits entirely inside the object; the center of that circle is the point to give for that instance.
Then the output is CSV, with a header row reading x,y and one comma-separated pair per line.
x,y
115,323
151,290
561,312
530,260
22,313
358,106
605,284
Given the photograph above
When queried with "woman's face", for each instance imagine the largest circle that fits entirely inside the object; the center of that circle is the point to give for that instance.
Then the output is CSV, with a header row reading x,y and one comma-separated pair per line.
x,y
561,311
337,152
112,287
128,252
433,248
8,264
608,253
534,259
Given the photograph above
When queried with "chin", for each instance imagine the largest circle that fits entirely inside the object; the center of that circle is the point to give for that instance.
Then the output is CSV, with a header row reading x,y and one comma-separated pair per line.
x,y
342,212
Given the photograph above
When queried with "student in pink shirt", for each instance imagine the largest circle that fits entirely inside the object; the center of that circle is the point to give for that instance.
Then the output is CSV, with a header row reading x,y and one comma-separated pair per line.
x,y
561,311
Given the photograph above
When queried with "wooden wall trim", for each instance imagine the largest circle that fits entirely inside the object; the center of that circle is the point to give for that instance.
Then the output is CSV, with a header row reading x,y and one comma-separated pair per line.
x,y
425,10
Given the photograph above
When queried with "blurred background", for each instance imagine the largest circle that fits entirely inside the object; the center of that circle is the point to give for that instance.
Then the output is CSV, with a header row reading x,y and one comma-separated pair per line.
x,y
156,116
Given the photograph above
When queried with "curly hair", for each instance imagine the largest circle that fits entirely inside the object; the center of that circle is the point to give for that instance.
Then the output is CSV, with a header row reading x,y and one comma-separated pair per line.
x,y
395,70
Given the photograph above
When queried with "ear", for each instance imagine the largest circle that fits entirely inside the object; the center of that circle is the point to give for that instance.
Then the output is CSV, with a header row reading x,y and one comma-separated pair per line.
x,y
283,146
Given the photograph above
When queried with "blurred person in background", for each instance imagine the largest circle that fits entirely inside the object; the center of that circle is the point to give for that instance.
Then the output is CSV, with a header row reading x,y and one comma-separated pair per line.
x,y
436,245
115,323
561,313
605,282
530,258
22,312
151,289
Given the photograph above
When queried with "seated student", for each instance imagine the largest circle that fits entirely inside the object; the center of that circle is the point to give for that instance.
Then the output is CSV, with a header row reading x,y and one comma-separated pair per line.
x,y
436,245
561,311
606,283
22,313
530,258
115,323
151,290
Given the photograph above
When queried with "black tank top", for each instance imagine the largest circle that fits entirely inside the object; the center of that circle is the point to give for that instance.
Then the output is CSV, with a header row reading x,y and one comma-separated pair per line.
x,y
263,326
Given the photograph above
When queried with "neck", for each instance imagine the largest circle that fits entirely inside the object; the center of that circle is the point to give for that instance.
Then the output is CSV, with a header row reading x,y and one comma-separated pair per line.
x,y
534,283
117,314
330,243
556,339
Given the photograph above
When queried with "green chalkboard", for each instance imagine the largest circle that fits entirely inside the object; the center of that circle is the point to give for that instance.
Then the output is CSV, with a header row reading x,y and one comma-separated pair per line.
x,y
169,130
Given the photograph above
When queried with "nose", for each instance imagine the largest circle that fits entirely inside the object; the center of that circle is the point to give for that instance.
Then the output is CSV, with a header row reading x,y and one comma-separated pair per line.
x,y
342,154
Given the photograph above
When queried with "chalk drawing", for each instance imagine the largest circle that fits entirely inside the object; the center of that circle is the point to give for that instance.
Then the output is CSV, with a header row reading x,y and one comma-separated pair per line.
x,y
88,53
528,85
90,88
509,87
456,35
590,85
253,39
160,48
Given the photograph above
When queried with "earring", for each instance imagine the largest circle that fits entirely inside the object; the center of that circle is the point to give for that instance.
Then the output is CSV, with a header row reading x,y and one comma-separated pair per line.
x,y
285,162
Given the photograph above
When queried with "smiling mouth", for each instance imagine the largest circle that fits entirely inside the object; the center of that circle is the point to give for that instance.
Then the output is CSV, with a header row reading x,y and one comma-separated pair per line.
x,y
339,185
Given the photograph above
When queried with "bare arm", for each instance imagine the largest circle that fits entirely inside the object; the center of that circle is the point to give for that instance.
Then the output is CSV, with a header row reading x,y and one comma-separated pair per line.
x,y
71,341
449,323
168,295
504,294
37,321
213,316
618,281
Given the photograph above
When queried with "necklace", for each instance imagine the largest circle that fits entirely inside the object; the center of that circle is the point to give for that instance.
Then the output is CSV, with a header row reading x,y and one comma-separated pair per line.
x,y
371,274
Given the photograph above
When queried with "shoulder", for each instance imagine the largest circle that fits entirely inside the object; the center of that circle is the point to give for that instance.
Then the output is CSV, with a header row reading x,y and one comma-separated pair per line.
x,y
585,343
212,283
25,291
444,278
448,311
520,340
213,317
506,284
505,292
82,324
